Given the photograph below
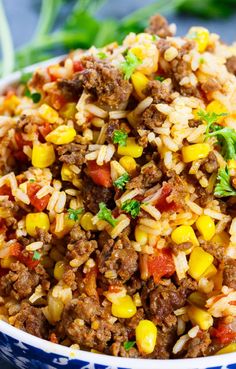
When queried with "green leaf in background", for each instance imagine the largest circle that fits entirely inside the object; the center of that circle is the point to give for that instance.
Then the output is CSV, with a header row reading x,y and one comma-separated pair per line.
x,y
81,28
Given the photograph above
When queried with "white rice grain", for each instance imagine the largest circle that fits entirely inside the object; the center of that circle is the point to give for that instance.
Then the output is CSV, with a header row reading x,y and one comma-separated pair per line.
x,y
34,246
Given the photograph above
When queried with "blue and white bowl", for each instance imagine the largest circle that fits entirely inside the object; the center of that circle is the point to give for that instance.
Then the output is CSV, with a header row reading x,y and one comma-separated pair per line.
x,y
29,352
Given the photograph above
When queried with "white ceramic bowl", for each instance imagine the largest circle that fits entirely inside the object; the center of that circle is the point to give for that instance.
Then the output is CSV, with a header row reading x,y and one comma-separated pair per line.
x,y
26,351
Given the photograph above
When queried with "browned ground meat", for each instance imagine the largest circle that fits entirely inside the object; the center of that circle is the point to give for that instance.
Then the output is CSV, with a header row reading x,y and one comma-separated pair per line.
x,y
159,91
210,164
151,118
198,345
72,153
32,320
102,80
19,282
94,194
231,64
119,258
148,177
229,273
159,26
214,249
81,250
71,88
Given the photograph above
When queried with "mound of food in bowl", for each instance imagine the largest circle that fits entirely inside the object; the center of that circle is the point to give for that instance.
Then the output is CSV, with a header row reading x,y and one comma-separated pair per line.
x,y
117,197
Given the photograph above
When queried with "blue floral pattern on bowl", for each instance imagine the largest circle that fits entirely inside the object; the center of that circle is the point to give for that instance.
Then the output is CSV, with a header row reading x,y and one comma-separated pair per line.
x,y
26,355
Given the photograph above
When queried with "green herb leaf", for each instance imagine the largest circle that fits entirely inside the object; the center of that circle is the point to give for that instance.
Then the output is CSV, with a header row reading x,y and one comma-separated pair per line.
x,y
132,207
32,180
106,214
210,119
121,181
35,96
128,345
25,77
120,137
159,78
223,187
102,55
36,255
73,213
130,64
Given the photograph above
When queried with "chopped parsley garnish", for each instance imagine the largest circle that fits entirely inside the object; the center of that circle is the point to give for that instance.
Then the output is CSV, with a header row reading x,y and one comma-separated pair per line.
x,y
73,213
36,255
210,119
130,64
121,181
201,61
106,214
102,55
35,96
128,345
31,180
120,137
132,207
25,77
159,78
223,187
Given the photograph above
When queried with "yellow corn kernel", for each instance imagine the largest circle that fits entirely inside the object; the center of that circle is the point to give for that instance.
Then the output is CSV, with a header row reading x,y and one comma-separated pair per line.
x,y
141,236
61,135
200,317
201,36
206,227
131,149
227,349
184,233
39,220
43,155
128,163
67,227
140,82
221,239
197,298
124,307
146,336
195,152
217,107
231,164
48,113
86,222
210,272
59,270
66,173
199,262
7,261
68,111
11,102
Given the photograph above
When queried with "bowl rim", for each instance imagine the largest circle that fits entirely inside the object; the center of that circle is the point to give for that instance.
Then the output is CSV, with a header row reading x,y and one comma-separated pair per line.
x,y
50,347
113,361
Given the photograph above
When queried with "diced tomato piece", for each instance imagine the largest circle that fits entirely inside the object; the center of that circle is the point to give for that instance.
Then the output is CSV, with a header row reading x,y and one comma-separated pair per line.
x,y
162,204
3,271
5,190
45,129
20,156
223,334
21,142
3,227
39,204
100,174
15,249
77,66
28,260
161,264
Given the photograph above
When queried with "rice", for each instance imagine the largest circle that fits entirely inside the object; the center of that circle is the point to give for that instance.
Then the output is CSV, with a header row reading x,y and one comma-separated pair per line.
x,y
34,246
95,110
